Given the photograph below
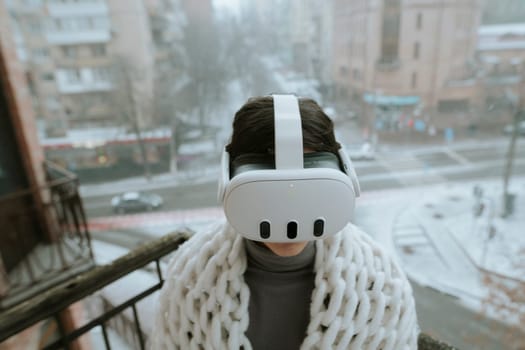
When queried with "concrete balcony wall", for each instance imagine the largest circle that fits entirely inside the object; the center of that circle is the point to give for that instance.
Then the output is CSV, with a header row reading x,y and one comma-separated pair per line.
x,y
92,36
85,8
86,81
78,23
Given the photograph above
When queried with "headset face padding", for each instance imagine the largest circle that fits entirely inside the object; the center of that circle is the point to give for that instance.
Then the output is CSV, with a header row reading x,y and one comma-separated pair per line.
x,y
289,196
261,161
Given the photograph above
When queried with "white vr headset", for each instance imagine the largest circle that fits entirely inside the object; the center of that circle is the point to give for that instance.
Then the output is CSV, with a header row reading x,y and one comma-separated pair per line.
x,y
296,197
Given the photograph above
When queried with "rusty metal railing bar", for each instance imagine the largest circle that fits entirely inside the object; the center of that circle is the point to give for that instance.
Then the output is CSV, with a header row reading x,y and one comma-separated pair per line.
x,y
137,323
67,177
105,335
61,331
59,297
159,271
102,319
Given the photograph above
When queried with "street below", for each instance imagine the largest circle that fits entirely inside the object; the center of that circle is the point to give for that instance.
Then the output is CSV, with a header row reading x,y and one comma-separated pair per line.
x,y
389,170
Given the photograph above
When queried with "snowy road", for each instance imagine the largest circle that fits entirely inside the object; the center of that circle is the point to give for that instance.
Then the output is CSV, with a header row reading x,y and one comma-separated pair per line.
x,y
391,169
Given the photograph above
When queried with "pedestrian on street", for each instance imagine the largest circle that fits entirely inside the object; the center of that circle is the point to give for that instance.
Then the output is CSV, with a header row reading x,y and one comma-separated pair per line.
x,y
226,288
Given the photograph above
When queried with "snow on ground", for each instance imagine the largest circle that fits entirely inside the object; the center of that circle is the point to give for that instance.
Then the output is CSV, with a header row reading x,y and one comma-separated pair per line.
x,y
130,285
444,245
431,230
495,243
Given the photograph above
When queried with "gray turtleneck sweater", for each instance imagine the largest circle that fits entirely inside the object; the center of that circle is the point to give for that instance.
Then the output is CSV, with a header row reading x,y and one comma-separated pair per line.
x,y
280,296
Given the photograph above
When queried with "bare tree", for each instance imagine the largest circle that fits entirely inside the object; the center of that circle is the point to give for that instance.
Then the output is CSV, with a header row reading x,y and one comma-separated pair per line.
x,y
245,57
131,101
206,68
506,301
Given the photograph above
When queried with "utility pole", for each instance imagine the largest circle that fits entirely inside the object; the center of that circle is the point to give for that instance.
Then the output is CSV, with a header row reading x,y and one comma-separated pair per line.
x,y
518,117
508,197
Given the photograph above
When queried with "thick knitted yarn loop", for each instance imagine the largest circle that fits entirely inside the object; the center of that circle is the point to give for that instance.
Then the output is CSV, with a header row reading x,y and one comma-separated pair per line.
x,y
361,299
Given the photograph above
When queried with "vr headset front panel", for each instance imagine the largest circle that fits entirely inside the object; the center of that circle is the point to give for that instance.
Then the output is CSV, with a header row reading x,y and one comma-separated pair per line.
x,y
307,197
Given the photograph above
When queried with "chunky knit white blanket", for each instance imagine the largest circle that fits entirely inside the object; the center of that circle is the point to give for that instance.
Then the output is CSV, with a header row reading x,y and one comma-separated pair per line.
x,y
361,299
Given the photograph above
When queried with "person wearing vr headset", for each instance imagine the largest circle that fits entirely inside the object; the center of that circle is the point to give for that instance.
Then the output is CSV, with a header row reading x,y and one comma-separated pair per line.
x,y
287,269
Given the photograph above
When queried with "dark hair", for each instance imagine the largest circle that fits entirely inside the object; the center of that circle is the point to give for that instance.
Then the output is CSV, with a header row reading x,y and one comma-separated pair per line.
x,y
253,128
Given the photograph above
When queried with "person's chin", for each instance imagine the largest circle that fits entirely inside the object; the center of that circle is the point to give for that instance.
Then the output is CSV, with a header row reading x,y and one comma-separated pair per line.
x,y
286,249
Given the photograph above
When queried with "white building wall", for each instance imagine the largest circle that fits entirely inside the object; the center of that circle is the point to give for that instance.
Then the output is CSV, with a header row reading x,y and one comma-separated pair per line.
x,y
80,80
82,22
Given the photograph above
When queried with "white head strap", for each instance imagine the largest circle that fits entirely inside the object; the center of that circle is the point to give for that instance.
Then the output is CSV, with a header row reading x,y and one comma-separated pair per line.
x,y
288,132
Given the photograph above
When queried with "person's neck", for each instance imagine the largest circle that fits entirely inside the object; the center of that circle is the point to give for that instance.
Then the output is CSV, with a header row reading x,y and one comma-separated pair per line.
x,y
261,256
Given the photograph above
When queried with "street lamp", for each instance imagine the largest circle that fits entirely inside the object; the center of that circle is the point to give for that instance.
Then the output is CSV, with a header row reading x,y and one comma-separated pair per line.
x,y
519,116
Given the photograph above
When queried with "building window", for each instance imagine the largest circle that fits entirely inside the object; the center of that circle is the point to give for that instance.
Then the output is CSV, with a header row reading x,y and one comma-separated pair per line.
x,y
69,51
419,21
101,74
72,75
39,54
416,50
453,106
83,23
98,50
343,92
459,20
57,24
414,80
100,23
34,26
52,104
64,24
390,30
100,98
30,83
48,76
356,74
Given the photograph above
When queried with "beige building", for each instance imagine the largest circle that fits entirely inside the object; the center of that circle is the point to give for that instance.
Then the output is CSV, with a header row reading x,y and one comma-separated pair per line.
x,y
71,50
405,56
501,54
28,30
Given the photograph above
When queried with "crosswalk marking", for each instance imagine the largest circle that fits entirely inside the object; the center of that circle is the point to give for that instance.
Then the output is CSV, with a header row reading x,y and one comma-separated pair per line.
x,y
409,162
454,155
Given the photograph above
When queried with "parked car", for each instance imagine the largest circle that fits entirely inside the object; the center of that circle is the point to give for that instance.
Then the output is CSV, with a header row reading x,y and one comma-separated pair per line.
x,y
135,202
508,129
364,152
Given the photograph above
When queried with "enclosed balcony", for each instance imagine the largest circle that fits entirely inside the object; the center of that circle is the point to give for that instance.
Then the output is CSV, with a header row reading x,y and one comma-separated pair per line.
x,y
43,244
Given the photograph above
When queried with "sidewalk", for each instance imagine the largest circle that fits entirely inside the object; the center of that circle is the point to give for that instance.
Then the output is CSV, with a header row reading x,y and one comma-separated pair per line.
x,y
443,244
157,181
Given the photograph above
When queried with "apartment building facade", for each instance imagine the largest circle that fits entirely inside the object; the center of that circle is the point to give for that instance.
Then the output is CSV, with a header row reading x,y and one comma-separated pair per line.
x,y
397,61
501,54
70,50
405,55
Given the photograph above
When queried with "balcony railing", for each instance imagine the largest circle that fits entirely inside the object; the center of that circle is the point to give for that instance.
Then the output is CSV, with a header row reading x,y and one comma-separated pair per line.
x,y
122,324
43,244
98,282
